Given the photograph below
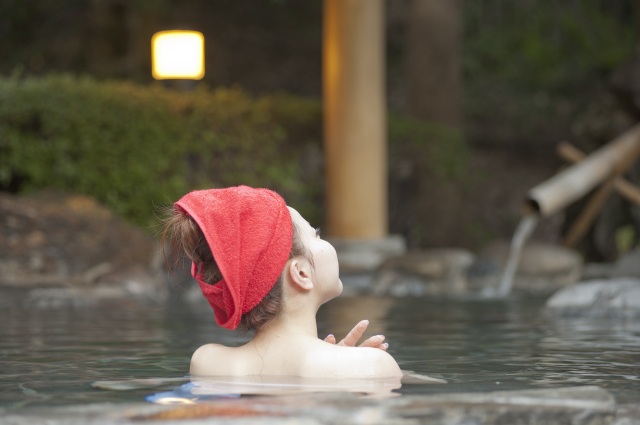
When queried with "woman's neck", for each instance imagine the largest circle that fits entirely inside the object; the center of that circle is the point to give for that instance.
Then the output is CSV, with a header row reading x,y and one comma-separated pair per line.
x,y
300,322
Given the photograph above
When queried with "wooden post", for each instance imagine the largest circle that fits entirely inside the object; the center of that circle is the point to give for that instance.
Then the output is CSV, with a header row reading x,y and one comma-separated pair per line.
x,y
355,119
589,213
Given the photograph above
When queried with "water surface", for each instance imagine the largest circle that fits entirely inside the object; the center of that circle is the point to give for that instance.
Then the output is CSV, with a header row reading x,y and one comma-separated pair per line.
x,y
52,356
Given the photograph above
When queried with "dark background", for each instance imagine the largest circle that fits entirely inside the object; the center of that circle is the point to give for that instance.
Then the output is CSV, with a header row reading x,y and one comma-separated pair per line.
x,y
525,76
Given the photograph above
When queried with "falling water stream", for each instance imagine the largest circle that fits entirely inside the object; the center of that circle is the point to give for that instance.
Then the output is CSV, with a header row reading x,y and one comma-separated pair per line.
x,y
523,231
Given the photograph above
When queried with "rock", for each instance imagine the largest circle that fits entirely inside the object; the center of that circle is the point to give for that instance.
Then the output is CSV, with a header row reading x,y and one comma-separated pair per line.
x,y
363,255
68,247
618,298
592,271
543,268
134,285
628,265
428,272
354,283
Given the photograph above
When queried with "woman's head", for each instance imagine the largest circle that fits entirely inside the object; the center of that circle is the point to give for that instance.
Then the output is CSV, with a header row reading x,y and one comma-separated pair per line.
x,y
239,240
321,256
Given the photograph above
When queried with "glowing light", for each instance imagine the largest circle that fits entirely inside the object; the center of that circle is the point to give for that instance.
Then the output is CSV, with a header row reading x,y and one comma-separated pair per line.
x,y
177,54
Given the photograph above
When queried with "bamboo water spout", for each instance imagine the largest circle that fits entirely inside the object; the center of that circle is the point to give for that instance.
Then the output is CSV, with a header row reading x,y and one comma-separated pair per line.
x,y
604,166
574,182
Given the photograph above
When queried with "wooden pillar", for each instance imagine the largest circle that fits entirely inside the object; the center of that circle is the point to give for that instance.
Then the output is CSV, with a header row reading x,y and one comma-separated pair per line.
x,y
355,125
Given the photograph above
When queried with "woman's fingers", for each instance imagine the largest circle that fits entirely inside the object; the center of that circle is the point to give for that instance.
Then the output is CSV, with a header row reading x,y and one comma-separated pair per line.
x,y
331,339
375,341
352,338
355,334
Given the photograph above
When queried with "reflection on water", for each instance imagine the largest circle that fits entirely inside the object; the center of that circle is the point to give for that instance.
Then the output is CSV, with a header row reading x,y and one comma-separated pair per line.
x,y
53,356
498,345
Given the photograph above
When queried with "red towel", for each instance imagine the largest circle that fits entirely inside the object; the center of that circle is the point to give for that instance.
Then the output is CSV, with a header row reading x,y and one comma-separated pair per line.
x,y
249,232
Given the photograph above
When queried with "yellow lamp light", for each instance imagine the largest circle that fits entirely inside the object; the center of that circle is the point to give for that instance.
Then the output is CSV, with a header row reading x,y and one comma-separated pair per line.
x,y
177,54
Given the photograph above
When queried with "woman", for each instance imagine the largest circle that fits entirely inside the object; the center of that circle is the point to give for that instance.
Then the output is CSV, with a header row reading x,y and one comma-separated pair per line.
x,y
262,267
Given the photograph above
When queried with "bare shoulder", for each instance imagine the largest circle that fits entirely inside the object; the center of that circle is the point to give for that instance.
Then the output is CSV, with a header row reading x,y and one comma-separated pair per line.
x,y
381,362
206,359
358,362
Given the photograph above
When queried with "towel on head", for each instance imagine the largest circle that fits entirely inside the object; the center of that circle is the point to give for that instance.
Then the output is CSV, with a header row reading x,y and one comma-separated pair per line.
x,y
250,233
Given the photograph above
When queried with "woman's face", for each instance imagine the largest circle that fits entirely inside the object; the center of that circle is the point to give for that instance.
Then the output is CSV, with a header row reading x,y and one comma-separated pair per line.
x,y
323,256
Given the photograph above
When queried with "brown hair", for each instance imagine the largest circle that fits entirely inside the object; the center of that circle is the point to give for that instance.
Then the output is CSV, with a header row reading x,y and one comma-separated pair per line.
x,y
182,236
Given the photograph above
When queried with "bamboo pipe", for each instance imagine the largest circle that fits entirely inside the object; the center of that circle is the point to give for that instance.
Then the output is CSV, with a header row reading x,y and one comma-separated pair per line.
x,y
625,188
574,182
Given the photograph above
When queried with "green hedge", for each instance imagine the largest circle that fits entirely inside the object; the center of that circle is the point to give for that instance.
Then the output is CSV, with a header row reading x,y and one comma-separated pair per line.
x,y
133,147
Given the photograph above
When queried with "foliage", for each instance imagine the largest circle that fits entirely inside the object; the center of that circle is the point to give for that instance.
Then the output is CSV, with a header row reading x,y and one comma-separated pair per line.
x,y
556,45
440,149
133,147
530,67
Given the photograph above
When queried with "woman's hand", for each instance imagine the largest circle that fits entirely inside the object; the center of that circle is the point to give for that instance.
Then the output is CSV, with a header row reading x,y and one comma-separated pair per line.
x,y
376,341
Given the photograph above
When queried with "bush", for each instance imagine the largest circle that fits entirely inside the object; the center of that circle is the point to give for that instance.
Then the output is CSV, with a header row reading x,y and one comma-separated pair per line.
x,y
133,147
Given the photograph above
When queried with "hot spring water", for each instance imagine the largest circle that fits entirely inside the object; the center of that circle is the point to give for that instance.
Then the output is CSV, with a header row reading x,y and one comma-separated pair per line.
x,y
53,357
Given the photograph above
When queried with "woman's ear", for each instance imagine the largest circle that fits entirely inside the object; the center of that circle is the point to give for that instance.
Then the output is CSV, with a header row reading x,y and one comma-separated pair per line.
x,y
299,273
